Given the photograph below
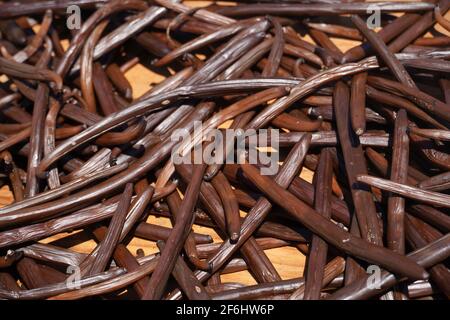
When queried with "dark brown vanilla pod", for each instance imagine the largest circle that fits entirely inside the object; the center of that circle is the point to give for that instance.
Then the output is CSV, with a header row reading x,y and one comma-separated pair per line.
x,y
110,285
355,164
438,182
169,255
155,232
388,57
395,101
19,8
46,291
426,256
332,233
295,123
276,52
307,87
190,25
37,40
332,270
419,235
174,202
201,41
104,90
262,206
435,134
328,46
201,14
13,32
319,248
36,141
337,30
421,25
399,173
125,91
14,175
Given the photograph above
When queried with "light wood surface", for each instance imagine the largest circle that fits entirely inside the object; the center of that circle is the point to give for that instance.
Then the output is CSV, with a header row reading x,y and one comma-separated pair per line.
x,y
288,261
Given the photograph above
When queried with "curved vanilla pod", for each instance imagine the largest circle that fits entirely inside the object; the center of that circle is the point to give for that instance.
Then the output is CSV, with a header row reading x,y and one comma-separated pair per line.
x,y
355,164
128,135
77,219
386,34
110,285
108,244
438,182
396,102
85,197
435,134
358,103
121,83
250,58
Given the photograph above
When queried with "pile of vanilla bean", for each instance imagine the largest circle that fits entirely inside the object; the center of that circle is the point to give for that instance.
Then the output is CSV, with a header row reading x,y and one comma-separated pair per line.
x,y
82,154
